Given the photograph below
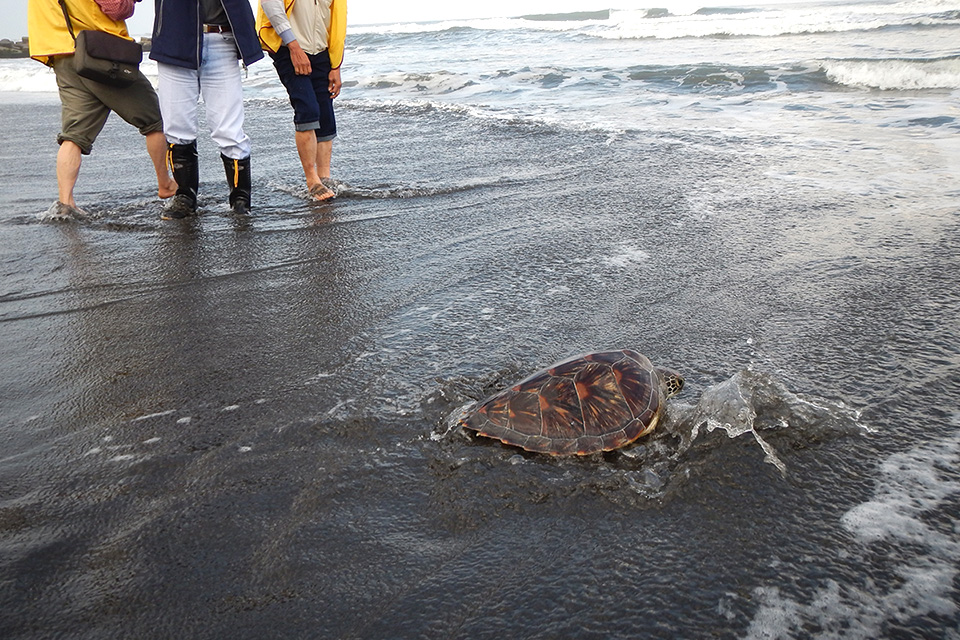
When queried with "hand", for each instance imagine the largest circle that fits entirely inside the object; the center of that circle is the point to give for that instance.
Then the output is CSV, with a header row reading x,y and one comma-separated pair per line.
x,y
301,63
335,83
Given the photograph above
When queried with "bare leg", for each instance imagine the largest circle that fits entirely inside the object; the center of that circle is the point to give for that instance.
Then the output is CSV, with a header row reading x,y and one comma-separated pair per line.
x,y
308,150
157,149
68,170
324,154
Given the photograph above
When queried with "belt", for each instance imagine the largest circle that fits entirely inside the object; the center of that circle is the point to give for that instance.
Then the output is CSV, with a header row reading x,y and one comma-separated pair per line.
x,y
216,28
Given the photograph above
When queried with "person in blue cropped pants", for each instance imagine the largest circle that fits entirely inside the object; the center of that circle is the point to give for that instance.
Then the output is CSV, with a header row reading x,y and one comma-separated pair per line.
x,y
306,41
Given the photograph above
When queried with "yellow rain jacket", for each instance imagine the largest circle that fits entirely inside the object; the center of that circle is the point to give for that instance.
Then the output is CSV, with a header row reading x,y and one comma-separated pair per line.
x,y
336,35
48,32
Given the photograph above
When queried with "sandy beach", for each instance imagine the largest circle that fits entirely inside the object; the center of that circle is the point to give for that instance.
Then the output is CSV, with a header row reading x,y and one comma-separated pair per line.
x,y
246,427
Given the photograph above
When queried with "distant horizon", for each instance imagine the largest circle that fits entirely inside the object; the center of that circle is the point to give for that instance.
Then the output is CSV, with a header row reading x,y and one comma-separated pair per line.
x,y
368,13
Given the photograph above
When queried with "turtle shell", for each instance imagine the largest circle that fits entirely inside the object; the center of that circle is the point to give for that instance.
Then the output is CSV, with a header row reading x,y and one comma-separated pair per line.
x,y
595,402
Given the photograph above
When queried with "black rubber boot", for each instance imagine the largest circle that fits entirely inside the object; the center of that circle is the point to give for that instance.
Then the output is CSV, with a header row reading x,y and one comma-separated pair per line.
x,y
238,179
184,163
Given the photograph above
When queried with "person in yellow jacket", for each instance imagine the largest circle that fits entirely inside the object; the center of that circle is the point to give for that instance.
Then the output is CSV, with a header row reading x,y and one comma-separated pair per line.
x,y
306,41
86,104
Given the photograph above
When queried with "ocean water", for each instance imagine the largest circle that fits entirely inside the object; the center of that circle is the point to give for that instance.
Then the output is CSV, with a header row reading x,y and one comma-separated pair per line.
x,y
247,427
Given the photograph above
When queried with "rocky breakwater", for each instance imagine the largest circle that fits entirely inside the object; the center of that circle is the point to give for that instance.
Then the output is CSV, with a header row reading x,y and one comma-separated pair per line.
x,y
11,49
21,48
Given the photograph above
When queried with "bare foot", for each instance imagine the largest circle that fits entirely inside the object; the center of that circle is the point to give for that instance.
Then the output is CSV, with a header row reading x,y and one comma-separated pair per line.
x,y
320,193
167,190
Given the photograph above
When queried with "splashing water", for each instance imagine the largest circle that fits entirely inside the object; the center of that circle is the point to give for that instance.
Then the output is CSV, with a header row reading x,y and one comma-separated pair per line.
x,y
60,212
751,401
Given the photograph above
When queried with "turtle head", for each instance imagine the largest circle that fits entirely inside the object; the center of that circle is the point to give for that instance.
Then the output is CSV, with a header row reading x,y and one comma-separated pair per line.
x,y
672,381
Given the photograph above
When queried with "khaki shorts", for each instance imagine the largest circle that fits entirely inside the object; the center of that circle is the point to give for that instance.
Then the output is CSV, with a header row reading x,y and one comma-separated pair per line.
x,y
85,105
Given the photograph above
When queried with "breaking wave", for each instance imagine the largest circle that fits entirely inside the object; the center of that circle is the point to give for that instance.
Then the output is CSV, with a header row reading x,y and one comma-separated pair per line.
x,y
885,74
693,21
603,14
896,74
723,11
26,75
814,75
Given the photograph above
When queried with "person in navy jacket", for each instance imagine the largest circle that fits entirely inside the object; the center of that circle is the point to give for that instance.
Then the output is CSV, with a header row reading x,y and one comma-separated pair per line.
x,y
198,46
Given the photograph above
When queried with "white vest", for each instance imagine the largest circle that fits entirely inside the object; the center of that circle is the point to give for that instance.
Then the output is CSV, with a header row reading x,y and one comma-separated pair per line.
x,y
310,20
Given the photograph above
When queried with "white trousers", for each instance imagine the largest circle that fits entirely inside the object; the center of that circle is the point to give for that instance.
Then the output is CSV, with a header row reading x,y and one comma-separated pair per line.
x,y
218,80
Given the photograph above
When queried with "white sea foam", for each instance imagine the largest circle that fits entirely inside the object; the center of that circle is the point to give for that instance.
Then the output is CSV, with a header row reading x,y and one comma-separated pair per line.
x,y
27,76
913,483
911,486
627,256
154,415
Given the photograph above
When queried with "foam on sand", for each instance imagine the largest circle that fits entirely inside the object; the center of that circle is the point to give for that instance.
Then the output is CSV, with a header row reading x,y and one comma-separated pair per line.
x,y
909,516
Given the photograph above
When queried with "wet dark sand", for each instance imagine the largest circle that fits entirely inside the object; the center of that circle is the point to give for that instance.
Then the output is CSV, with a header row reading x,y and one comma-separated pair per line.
x,y
240,429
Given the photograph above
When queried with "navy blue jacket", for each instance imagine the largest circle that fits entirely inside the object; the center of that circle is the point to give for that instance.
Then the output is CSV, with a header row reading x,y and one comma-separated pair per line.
x,y
177,32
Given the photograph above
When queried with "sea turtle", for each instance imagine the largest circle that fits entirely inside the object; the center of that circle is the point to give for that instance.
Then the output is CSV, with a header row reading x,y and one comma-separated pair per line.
x,y
594,402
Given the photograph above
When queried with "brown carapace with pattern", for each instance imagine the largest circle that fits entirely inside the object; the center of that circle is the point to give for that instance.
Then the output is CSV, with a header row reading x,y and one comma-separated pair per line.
x,y
595,402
